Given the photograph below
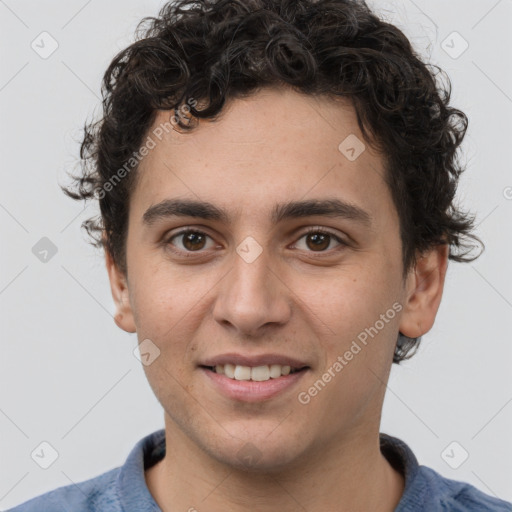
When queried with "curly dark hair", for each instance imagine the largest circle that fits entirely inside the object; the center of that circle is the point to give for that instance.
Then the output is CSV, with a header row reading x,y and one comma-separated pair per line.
x,y
216,50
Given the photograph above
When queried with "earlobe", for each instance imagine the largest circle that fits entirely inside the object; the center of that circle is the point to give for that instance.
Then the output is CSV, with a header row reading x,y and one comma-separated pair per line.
x,y
425,284
123,317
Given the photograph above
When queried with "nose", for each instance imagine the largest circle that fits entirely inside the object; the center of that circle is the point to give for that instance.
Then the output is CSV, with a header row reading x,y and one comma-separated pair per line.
x,y
252,297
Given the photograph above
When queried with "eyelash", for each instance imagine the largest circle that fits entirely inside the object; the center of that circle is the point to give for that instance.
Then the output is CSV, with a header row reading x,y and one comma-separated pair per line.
x,y
311,230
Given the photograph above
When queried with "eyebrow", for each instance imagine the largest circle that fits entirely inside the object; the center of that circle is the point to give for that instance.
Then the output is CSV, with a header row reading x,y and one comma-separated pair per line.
x,y
281,211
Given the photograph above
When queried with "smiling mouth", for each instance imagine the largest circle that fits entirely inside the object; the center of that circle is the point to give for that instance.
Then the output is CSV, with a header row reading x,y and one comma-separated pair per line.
x,y
254,373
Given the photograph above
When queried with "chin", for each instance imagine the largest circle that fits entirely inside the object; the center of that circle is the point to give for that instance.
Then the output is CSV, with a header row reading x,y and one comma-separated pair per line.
x,y
257,450
252,459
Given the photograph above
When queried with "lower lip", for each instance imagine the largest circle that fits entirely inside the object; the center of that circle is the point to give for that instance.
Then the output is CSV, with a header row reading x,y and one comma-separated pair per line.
x,y
253,391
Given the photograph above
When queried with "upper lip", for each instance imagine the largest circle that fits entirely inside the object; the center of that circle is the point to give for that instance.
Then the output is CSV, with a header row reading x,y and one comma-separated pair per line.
x,y
256,360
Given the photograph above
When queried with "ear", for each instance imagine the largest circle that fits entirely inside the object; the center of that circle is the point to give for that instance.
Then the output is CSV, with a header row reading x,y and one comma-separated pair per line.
x,y
424,289
123,318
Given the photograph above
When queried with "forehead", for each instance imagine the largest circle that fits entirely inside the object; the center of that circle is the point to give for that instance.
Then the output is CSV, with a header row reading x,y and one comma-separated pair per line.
x,y
273,146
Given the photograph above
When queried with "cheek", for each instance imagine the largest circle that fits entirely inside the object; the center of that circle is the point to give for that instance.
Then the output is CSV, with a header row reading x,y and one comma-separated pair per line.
x,y
161,298
168,310
351,300
355,317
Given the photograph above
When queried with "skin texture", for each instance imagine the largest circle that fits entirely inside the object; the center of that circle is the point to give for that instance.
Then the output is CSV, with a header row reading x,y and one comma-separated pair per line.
x,y
294,299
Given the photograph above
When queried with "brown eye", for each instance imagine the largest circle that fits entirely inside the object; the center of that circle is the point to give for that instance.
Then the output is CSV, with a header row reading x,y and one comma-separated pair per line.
x,y
318,240
191,241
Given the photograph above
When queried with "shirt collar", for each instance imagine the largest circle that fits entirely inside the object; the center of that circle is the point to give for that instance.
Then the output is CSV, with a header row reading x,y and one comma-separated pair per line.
x,y
132,490
401,457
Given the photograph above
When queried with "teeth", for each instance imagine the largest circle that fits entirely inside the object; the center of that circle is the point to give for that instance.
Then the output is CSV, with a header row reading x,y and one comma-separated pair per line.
x,y
275,371
229,370
260,373
242,373
256,373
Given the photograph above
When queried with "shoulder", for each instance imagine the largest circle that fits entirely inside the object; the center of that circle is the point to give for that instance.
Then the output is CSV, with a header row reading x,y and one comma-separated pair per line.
x,y
456,496
428,491
117,490
98,493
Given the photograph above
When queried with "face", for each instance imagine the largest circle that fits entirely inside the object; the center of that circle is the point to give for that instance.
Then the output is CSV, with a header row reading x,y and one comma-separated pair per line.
x,y
256,281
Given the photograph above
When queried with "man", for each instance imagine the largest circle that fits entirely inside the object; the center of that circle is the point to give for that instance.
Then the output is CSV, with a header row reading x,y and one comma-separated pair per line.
x,y
276,183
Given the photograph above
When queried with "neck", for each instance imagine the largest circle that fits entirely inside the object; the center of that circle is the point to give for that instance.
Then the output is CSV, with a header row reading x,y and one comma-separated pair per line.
x,y
350,474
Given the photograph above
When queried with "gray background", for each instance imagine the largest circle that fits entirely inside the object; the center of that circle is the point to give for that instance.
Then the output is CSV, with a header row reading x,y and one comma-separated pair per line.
x,y
68,374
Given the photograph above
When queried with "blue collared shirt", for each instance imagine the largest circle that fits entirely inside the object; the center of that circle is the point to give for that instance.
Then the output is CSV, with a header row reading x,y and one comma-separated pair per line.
x,y
124,489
